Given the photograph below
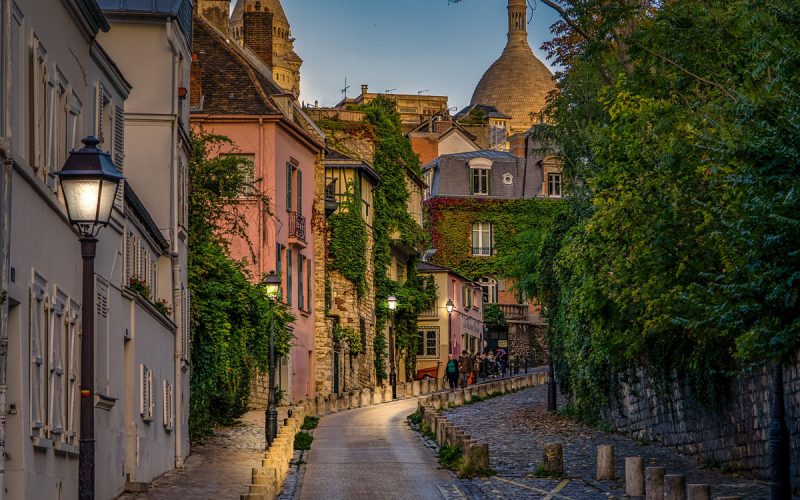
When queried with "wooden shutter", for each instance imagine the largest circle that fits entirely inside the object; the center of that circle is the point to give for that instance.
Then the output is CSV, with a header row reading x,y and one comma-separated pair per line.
x,y
119,152
99,108
73,357
168,413
299,192
288,187
101,335
146,393
57,386
38,335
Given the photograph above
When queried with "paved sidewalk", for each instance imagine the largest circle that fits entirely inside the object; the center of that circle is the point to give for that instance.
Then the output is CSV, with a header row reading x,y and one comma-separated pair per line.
x,y
516,427
220,468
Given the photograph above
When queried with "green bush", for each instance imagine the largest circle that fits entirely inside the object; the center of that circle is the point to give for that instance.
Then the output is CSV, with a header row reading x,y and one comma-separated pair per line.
x,y
302,441
310,423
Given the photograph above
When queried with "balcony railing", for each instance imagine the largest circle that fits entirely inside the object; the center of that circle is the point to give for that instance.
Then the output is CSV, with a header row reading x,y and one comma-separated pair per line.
x,y
515,312
482,251
297,226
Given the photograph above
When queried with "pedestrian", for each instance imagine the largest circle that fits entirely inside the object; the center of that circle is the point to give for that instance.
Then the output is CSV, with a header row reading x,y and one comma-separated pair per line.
x,y
476,365
464,368
451,371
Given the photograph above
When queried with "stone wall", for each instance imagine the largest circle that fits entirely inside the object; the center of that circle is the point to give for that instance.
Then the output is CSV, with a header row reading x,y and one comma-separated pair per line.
x,y
323,339
527,340
736,436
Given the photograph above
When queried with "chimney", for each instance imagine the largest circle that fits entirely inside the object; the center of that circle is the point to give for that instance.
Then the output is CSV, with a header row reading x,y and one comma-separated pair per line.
x,y
517,144
257,34
364,88
216,12
196,82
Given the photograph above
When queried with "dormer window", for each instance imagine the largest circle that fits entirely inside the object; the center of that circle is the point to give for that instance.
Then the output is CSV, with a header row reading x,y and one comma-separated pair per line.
x,y
554,185
480,177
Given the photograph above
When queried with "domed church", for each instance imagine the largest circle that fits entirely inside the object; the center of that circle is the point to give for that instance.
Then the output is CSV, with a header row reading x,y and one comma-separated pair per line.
x,y
517,83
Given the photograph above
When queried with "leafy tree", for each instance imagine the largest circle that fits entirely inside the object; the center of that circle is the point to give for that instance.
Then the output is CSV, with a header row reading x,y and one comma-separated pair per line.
x,y
230,315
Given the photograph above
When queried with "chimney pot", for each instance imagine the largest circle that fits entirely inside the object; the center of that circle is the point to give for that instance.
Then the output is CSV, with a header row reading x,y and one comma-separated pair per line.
x,y
364,88
257,34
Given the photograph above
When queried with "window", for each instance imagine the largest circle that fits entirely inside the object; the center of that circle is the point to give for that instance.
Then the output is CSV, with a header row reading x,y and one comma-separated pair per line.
x,y
141,268
428,346
489,286
466,297
146,393
288,277
300,299
169,409
554,185
482,239
480,181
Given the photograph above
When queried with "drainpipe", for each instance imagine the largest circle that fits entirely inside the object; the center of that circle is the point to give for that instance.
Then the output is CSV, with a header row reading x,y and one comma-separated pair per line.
x,y
5,220
175,253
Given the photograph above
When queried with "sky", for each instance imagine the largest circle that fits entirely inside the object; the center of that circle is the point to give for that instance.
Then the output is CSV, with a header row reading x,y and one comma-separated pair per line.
x,y
407,45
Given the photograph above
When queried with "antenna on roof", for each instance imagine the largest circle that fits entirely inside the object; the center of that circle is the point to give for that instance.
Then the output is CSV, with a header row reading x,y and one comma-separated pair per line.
x,y
420,92
346,88
389,91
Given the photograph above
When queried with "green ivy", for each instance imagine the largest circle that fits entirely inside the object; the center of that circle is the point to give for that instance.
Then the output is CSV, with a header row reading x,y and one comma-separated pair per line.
x,y
230,316
450,223
348,241
350,337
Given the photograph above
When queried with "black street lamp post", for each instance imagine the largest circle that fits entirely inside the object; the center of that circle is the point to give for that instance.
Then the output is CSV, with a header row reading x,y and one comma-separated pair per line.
x,y
272,286
89,181
392,301
449,306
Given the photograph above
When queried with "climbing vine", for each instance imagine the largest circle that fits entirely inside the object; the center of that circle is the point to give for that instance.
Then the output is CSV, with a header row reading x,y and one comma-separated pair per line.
x,y
230,315
450,223
348,241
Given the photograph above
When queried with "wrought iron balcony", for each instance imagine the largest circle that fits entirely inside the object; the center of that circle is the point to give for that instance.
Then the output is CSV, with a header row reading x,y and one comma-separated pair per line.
x,y
297,227
482,251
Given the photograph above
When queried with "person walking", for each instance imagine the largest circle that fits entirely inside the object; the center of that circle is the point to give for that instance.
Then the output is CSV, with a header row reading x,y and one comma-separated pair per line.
x,y
451,371
464,368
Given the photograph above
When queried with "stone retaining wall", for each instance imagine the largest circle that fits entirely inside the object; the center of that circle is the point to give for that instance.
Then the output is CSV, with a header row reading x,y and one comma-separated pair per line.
x,y
736,436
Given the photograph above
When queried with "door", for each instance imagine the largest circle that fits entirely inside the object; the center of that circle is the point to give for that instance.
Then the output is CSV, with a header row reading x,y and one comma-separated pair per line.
x,y
336,372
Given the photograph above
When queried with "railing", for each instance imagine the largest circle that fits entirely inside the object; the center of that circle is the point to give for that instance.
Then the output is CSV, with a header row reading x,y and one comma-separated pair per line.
x,y
483,251
297,226
515,312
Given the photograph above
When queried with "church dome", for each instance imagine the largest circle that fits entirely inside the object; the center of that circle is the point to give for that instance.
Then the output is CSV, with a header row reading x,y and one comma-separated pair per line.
x,y
517,83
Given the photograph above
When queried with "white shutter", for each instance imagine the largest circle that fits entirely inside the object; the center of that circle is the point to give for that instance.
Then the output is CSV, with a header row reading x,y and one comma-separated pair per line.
x,y
146,393
101,337
168,413
57,386
38,334
73,364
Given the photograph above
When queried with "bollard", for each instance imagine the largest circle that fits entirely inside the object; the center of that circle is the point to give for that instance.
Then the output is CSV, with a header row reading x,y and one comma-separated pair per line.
x,y
415,387
377,395
675,487
321,406
554,458
476,456
605,462
365,398
426,386
387,392
698,492
654,483
634,476
459,397
268,490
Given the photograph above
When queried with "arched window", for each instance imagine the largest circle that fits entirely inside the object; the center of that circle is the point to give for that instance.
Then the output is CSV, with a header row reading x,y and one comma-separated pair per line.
x,y
489,286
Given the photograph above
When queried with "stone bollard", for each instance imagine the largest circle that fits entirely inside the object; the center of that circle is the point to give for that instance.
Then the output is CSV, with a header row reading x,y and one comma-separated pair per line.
x,y
482,391
438,426
468,394
634,476
415,387
675,487
387,392
476,456
365,398
698,492
554,458
377,395
451,398
425,386
605,462
458,397
252,496
268,490
654,483
408,390
437,403
321,410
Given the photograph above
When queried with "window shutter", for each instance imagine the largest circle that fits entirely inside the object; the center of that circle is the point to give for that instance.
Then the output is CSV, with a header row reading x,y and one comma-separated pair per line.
x,y
299,192
308,282
73,354
146,393
99,108
300,299
168,413
57,387
288,277
101,337
38,336
288,187
119,152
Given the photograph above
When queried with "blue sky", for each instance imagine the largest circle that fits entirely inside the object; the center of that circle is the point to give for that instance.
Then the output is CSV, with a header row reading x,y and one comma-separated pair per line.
x,y
408,45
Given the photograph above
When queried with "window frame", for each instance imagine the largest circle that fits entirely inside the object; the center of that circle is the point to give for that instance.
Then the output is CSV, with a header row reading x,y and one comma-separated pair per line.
x,y
481,228
554,180
478,174
423,339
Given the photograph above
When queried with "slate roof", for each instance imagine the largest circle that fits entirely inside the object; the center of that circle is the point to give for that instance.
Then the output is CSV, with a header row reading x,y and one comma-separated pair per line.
x,y
180,9
491,111
427,267
234,82
337,159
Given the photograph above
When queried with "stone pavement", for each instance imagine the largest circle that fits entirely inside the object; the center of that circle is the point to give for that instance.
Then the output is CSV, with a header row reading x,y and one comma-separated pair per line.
x,y
220,468
516,427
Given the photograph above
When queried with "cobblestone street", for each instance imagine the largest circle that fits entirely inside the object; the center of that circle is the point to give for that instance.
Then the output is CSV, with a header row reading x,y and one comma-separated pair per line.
x,y
220,468
517,426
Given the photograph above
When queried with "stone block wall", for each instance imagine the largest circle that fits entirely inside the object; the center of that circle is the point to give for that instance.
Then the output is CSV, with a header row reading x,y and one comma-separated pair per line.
x,y
527,340
736,436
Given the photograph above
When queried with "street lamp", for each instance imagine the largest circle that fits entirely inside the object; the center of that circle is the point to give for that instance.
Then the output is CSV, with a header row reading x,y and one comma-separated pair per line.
x,y
449,306
272,286
89,181
392,301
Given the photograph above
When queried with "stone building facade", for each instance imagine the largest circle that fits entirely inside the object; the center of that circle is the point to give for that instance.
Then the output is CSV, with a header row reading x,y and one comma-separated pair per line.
x,y
413,108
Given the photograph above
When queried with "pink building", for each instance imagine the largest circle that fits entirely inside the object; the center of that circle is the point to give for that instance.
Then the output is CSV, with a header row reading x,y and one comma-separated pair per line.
x,y
442,332
233,94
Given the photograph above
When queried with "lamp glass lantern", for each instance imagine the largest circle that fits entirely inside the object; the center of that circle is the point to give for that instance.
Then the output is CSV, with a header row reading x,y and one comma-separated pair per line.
x,y
392,300
449,306
272,285
89,181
